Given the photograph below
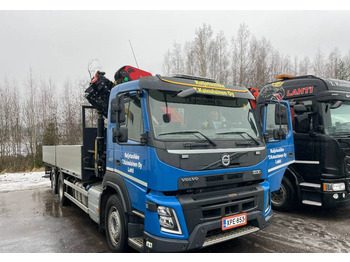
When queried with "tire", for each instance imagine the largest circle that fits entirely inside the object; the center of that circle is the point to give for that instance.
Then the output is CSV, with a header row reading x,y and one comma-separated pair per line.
x,y
61,189
284,199
54,180
116,225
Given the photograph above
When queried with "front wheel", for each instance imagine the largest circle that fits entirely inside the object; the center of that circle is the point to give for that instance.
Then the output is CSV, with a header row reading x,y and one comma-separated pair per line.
x,y
284,199
116,225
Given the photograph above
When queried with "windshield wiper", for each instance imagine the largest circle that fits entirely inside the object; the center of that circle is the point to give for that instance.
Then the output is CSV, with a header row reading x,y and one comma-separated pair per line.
x,y
189,132
339,133
240,133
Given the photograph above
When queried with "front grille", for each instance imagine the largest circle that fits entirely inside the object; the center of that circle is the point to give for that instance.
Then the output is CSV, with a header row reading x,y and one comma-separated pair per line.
x,y
345,146
213,181
210,180
228,208
347,165
211,206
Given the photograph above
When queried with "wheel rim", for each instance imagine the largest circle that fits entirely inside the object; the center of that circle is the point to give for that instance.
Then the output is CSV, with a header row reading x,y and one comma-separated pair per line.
x,y
114,226
279,197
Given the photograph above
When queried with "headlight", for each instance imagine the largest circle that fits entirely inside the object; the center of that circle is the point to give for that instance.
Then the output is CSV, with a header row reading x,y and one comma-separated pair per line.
x,y
168,220
333,186
267,205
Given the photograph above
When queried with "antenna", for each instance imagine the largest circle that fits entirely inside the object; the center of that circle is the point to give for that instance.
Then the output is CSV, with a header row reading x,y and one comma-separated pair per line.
x,y
134,55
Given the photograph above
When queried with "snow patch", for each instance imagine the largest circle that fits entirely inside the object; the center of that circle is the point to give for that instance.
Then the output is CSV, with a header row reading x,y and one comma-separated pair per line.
x,y
22,181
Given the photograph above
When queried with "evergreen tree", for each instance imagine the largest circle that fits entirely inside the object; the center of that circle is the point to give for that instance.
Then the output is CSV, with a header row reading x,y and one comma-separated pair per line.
x,y
342,72
50,136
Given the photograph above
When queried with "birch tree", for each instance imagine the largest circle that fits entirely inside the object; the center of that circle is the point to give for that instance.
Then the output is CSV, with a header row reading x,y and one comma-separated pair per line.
x,y
240,62
203,46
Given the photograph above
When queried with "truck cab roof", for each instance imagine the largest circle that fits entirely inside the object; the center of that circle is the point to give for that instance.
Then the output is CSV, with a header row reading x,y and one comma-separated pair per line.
x,y
302,86
181,83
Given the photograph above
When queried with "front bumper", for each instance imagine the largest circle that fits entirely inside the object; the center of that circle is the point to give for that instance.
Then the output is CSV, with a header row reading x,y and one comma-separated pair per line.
x,y
206,234
314,195
328,200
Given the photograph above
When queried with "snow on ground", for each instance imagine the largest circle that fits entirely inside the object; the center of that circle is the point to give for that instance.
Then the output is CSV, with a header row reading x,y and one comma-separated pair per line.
x,y
22,181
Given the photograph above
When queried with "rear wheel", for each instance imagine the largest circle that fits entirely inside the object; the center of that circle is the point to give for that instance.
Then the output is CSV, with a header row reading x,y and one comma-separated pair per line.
x,y
54,180
61,189
116,225
284,199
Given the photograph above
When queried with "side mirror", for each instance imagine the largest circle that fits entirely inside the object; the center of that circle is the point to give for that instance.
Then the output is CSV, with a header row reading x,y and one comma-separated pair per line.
x,y
336,104
114,110
117,109
279,134
120,135
299,109
281,114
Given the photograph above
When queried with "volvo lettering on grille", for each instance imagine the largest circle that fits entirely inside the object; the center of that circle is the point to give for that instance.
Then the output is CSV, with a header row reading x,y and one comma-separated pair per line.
x,y
189,179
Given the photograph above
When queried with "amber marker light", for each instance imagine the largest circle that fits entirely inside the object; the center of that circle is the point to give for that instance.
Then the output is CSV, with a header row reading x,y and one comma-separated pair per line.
x,y
284,76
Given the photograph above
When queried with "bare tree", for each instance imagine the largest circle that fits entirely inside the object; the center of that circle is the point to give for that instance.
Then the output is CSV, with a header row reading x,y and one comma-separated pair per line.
x,y
318,65
347,62
72,98
202,46
333,63
305,66
242,47
16,125
219,66
92,67
167,63
48,110
30,114
263,53
296,65
10,131
176,59
190,59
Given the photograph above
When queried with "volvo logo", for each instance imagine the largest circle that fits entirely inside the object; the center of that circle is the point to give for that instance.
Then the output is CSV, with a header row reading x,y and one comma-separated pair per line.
x,y
190,179
226,160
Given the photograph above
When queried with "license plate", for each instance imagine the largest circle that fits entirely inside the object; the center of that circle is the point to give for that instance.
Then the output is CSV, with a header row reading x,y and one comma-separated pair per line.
x,y
234,221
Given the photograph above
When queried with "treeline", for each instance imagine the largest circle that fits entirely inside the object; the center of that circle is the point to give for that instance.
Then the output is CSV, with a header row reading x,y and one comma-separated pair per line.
x,y
244,60
36,112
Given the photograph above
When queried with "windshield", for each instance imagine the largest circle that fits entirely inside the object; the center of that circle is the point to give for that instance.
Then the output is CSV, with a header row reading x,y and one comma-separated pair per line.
x,y
200,117
337,120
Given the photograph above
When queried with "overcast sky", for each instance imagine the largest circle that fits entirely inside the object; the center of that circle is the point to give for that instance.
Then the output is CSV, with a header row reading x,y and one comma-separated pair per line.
x,y
59,44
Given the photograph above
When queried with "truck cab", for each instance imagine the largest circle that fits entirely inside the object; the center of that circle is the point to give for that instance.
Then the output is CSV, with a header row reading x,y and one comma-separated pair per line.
x,y
191,162
321,122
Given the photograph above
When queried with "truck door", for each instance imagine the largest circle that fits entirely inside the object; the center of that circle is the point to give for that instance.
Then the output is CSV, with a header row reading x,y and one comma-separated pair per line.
x,y
130,154
278,132
308,147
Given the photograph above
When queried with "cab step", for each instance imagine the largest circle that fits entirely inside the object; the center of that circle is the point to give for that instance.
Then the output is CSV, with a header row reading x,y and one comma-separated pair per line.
x,y
136,242
240,231
311,203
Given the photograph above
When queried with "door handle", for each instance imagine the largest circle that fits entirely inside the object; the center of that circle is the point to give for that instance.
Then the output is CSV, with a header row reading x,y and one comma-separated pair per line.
x,y
291,154
117,162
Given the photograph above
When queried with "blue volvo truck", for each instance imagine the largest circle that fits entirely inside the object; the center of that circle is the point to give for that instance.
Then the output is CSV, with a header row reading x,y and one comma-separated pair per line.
x,y
173,164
